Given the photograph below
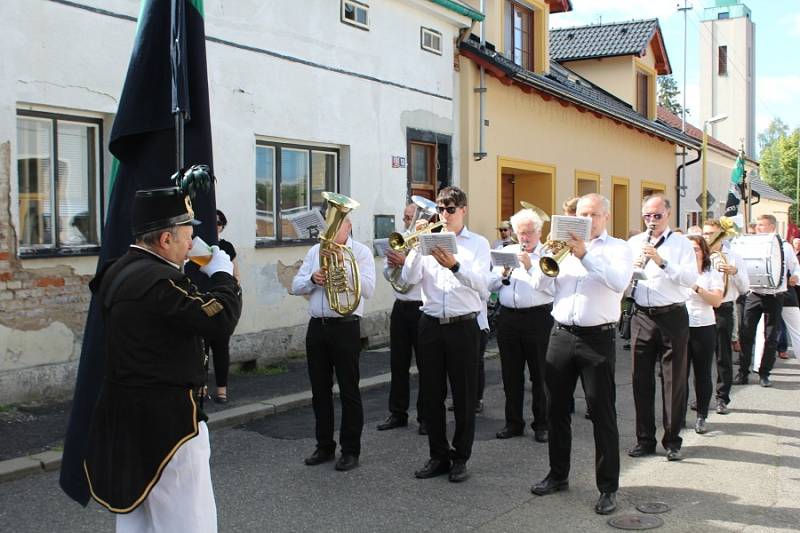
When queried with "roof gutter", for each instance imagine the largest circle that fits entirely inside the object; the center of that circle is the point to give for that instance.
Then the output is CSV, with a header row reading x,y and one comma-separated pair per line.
x,y
680,182
460,8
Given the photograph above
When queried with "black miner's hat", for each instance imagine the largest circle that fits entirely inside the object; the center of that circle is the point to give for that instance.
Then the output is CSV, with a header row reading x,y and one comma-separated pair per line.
x,y
155,209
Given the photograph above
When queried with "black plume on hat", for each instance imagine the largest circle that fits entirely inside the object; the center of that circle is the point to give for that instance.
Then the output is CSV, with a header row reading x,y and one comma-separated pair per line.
x,y
155,209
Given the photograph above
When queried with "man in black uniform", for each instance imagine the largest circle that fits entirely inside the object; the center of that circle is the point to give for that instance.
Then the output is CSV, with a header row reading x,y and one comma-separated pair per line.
x,y
148,435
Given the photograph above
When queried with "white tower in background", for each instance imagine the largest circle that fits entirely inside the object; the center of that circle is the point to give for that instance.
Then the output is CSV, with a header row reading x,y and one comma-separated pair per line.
x,y
727,73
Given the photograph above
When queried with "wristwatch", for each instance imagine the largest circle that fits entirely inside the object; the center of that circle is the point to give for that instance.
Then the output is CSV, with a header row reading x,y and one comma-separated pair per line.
x,y
454,268
663,265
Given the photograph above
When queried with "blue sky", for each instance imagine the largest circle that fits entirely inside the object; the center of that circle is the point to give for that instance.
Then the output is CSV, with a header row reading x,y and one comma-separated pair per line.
x,y
777,46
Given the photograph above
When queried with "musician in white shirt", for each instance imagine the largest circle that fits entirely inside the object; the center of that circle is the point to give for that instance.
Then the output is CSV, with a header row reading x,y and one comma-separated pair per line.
x,y
454,289
660,327
523,328
738,283
588,291
768,302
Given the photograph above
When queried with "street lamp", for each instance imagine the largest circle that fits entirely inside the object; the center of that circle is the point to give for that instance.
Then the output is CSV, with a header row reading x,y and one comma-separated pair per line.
x,y
712,120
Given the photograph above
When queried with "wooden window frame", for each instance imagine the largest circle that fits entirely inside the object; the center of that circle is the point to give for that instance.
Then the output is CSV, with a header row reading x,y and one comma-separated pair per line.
x,y
650,73
540,40
277,146
356,6
431,185
57,249
722,60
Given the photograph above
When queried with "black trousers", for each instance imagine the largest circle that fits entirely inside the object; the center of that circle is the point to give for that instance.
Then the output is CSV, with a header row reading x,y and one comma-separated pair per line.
x,y
333,346
220,348
591,356
724,316
403,343
755,305
449,352
522,337
701,358
484,340
663,338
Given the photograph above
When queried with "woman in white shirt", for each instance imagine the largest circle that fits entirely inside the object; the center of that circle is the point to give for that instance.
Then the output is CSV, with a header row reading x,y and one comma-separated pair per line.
x,y
707,294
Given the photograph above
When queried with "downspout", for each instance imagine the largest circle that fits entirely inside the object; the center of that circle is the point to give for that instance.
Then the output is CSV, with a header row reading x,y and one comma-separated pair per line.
x,y
481,90
679,174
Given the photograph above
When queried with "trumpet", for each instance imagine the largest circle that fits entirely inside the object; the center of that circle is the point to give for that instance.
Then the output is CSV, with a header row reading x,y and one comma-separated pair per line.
x,y
404,242
554,252
342,287
728,230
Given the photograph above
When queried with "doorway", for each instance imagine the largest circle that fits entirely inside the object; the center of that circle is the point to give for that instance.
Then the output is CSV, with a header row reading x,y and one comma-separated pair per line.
x,y
528,181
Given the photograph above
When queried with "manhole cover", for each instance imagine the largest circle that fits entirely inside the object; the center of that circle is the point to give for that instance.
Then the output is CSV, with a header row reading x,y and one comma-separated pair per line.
x,y
652,507
633,521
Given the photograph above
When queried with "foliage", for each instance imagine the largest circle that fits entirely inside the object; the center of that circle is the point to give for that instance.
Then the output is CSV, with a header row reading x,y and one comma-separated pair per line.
x,y
668,94
778,160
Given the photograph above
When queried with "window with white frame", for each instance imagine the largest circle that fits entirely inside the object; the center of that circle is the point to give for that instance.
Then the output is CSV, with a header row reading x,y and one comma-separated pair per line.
x,y
59,173
355,13
290,179
431,40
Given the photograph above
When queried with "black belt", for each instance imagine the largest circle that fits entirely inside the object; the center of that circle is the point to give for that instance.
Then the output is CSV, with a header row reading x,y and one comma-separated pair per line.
x,y
659,310
409,302
335,319
451,319
543,307
725,305
588,330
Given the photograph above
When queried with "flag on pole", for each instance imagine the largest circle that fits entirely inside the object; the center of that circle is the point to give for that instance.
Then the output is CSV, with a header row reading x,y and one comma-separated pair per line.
x,y
143,144
738,170
736,189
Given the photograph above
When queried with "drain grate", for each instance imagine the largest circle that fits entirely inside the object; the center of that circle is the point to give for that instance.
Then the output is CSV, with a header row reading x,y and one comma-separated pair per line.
x,y
636,522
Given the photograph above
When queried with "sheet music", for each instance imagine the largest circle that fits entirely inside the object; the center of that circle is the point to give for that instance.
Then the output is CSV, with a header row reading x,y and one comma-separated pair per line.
x,y
381,246
562,226
505,259
445,240
308,224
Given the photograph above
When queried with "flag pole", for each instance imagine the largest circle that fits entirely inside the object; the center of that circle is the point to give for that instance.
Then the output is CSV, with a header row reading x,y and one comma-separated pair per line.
x,y
180,93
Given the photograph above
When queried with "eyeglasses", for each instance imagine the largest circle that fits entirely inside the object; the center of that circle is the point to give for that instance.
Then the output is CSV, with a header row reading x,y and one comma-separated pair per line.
x,y
450,209
654,216
503,230
407,217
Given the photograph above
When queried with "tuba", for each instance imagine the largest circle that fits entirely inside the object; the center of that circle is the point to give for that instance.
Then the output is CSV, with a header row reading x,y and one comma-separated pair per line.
x,y
403,242
342,285
728,230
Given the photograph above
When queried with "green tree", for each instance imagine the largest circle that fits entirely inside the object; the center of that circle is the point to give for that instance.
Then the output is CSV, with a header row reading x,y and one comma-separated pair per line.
x,y
668,94
779,159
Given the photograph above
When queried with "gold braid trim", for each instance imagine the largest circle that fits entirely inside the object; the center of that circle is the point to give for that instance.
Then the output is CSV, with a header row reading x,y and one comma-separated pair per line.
x,y
210,308
159,470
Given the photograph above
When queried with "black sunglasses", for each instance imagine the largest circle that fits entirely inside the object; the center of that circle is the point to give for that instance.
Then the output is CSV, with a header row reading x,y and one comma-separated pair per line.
x,y
450,209
654,216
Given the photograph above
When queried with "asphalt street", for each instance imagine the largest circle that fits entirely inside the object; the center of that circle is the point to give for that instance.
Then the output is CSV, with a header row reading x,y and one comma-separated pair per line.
x,y
744,475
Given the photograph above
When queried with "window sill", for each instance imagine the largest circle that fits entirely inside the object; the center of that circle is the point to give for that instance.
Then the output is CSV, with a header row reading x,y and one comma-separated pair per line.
x,y
41,253
264,243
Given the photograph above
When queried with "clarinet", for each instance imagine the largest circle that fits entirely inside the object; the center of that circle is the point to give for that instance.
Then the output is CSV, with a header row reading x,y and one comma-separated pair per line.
x,y
650,229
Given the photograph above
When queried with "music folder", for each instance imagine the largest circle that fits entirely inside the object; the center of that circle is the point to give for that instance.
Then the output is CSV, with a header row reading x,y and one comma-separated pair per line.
x,y
505,259
445,240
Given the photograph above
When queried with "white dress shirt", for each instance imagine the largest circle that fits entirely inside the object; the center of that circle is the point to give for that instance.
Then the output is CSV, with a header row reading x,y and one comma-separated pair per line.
x,y
318,306
414,294
701,313
790,265
519,293
588,291
669,285
740,283
445,294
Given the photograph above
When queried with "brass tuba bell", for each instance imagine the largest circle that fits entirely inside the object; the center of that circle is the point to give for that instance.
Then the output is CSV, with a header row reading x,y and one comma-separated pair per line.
x,y
728,230
342,284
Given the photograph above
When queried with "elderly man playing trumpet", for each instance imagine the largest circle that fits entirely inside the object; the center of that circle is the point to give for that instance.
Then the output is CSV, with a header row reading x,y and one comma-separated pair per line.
x,y
523,328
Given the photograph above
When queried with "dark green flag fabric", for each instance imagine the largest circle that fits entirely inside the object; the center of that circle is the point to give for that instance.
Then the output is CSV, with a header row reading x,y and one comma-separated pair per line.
x,y
143,143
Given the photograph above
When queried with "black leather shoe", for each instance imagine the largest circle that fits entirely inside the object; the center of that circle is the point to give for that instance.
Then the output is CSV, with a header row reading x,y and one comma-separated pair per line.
x,y
674,454
423,429
641,451
393,421
433,468
607,503
722,408
540,435
700,426
740,379
319,456
765,382
458,473
346,462
508,432
549,485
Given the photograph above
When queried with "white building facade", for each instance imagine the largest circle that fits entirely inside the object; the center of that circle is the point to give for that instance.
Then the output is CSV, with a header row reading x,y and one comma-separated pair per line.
x,y
305,96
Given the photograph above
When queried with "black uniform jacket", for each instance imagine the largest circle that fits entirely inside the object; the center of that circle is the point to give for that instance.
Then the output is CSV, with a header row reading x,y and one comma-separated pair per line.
x,y
154,318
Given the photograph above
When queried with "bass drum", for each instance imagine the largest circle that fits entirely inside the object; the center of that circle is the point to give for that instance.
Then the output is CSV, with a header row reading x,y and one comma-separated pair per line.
x,y
763,258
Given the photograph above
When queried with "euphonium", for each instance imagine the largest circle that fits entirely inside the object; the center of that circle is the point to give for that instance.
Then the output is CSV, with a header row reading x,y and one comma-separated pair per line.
x,y
342,285
402,243
728,230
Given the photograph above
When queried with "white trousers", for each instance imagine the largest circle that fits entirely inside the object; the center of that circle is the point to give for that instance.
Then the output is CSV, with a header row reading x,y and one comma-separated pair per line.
x,y
791,317
183,499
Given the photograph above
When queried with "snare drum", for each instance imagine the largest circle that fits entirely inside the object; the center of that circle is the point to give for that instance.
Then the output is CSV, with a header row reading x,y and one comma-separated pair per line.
x,y
763,258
